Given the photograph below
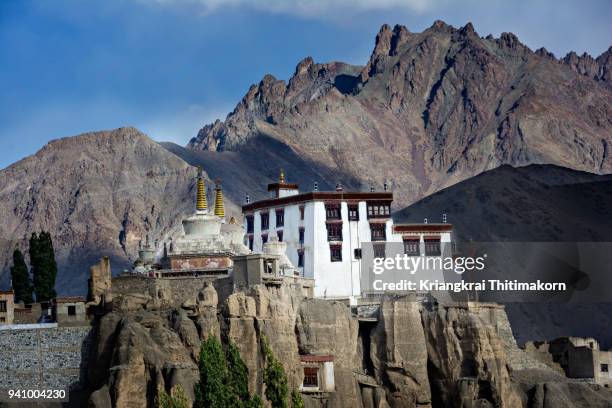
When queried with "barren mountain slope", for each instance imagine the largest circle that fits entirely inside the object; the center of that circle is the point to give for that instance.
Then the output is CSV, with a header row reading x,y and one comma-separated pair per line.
x,y
98,194
531,204
428,110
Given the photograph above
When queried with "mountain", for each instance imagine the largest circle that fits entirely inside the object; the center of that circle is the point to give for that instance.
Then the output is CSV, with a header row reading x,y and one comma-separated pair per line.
x,y
429,110
536,203
98,194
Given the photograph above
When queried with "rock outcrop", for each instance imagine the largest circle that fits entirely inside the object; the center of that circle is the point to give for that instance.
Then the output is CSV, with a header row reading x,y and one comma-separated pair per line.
x,y
414,355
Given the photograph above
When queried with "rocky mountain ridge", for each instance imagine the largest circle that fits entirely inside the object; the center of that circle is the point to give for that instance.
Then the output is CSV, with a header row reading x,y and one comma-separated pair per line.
x,y
430,109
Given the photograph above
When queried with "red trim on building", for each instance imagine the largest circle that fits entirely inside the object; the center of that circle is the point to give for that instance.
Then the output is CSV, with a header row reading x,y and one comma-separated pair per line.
x,y
399,228
315,359
318,196
282,186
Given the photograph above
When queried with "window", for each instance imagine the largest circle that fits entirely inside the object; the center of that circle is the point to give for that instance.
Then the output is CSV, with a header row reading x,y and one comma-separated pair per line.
x,y
251,242
264,238
2,305
334,231
71,310
604,368
250,224
311,377
335,253
301,236
265,221
590,344
353,212
332,211
280,235
411,246
357,253
379,210
2,320
379,250
300,259
301,212
432,247
377,231
280,218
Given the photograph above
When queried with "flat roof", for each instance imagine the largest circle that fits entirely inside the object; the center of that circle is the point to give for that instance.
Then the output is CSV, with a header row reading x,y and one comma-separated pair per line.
x,y
319,196
422,227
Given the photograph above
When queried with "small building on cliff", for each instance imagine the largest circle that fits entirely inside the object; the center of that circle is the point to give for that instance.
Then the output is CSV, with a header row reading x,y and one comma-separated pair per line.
x,y
7,306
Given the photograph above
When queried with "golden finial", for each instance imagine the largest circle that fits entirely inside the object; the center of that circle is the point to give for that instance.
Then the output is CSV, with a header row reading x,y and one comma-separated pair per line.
x,y
201,204
219,210
281,179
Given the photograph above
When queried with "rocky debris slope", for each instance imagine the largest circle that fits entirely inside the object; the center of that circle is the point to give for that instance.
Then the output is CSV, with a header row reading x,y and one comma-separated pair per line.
x,y
97,194
415,355
428,110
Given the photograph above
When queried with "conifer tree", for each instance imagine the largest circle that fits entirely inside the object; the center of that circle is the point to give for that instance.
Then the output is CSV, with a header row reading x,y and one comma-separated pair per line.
x,y
296,399
176,398
44,267
238,372
275,379
213,390
20,278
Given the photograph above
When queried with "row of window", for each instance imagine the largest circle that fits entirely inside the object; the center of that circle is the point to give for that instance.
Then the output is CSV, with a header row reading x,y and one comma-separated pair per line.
x,y
411,248
332,212
279,234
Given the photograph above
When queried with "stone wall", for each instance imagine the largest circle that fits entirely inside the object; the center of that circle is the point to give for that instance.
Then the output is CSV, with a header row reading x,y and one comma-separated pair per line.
x,y
44,357
169,292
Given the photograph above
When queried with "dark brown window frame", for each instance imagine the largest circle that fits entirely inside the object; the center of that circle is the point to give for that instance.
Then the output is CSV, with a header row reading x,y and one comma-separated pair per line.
x,y
333,255
353,212
311,377
280,216
334,231
265,216
412,246
333,211
378,231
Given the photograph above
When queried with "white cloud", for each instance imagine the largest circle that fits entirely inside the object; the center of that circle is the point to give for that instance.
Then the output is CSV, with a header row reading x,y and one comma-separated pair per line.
x,y
181,125
306,8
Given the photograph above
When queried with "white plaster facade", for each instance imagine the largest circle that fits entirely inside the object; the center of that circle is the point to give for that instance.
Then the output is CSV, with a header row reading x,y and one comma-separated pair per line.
x,y
333,278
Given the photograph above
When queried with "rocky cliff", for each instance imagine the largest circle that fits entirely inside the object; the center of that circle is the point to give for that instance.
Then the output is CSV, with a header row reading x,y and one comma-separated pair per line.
x,y
97,194
414,355
428,110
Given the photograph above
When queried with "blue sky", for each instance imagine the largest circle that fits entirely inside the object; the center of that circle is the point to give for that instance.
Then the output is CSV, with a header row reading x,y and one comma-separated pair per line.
x,y
170,66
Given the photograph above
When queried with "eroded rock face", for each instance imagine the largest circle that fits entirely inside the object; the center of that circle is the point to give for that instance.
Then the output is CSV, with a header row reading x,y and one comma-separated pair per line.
x,y
327,328
415,355
399,353
467,364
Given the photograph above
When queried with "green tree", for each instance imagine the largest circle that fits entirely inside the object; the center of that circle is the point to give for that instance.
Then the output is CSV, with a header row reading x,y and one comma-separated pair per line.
x,y
296,399
176,398
275,379
20,278
238,372
213,390
254,402
44,267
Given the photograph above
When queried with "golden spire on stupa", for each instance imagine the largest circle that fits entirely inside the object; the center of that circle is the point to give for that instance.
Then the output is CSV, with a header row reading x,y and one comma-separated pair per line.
x,y
281,178
201,204
219,209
